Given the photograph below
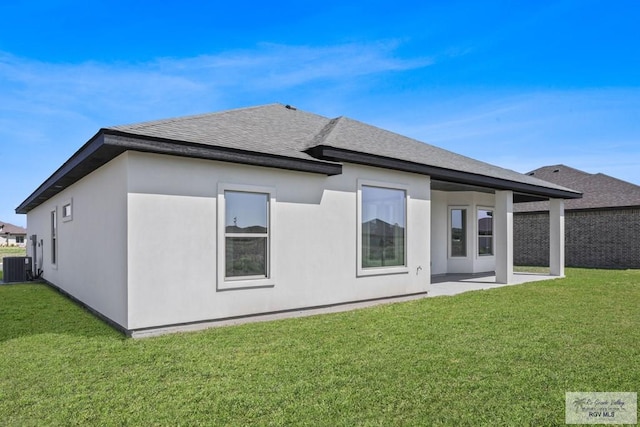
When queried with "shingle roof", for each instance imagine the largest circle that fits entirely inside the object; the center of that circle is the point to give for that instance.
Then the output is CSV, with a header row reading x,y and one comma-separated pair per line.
x,y
349,134
269,129
599,190
283,137
283,131
5,227
559,174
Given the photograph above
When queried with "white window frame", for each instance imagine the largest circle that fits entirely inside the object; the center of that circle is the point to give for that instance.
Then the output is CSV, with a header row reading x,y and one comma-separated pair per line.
x,y
375,271
224,283
65,217
493,232
450,234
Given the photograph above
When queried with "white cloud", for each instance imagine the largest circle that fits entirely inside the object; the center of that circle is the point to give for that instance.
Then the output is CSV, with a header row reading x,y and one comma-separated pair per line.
x,y
175,86
281,66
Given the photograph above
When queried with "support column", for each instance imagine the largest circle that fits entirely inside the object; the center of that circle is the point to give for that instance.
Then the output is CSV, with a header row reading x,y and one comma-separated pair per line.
x,y
556,237
503,231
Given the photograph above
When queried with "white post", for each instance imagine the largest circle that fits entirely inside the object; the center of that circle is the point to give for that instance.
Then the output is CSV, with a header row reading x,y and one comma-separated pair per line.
x,y
503,229
556,237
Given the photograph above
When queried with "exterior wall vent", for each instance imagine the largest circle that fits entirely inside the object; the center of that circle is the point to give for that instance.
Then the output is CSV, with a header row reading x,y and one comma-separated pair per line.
x,y
16,269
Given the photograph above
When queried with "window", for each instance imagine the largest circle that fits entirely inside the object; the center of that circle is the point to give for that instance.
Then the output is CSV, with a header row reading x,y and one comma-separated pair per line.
x,y
382,233
54,238
246,234
485,232
19,239
67,211
458,232
245,215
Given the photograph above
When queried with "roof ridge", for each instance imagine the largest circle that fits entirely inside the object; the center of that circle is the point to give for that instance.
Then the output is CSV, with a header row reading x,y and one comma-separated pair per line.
x,y
324,133
417,143
621,181
145,124
559,165
568,175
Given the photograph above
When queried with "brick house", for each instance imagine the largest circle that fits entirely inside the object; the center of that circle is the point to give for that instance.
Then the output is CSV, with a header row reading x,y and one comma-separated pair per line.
x,y
602,229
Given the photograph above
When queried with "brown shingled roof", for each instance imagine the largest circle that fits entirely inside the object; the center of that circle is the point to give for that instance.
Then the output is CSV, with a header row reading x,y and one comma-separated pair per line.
x,y
5,227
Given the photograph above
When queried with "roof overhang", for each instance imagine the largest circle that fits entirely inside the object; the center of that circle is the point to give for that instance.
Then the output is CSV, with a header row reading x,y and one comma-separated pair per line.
x,y
456,180
107,144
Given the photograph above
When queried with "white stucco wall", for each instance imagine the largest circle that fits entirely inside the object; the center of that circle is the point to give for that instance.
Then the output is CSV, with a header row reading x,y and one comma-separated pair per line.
x,y
441,261
142,245
172,248
91,261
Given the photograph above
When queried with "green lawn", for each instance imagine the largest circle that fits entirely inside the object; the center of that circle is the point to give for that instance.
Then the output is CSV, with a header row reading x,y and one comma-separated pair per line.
x,y
500,357
12,251
529,269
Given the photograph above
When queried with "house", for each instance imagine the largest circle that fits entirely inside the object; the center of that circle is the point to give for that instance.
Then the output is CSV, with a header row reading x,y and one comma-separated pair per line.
x,y
602,229
12,235
268,209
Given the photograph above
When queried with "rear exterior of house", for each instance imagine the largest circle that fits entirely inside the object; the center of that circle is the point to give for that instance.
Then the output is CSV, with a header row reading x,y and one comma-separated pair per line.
x,y
266,209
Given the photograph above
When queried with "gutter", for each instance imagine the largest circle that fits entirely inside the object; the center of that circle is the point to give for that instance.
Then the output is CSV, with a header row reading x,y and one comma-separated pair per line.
x,y
437,173
107,144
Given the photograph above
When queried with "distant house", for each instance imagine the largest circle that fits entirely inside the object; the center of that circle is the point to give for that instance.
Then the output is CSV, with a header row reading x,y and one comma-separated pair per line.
x,y
602,229
267,209
12,235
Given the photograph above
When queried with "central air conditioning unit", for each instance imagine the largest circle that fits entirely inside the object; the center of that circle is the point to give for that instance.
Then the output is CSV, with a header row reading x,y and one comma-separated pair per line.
x,y
16,269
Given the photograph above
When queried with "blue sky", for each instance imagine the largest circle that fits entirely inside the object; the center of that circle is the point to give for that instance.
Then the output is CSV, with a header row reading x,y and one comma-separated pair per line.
x,y
517,84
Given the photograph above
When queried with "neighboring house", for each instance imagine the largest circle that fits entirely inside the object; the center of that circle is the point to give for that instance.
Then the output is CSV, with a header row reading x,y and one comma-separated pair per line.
x,y
268,209
602,229
12,235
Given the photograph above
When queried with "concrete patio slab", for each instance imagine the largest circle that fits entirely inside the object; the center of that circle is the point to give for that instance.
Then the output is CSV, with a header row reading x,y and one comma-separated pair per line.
x,y
453,284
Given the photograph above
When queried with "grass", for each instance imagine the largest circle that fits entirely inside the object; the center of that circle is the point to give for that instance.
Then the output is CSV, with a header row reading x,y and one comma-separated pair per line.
x,y
12,251
499,357
531,269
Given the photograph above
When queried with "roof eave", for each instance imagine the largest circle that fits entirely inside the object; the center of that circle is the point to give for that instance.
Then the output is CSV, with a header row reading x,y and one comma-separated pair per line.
x,y
91,155
337,154
589,209
107,144
172,147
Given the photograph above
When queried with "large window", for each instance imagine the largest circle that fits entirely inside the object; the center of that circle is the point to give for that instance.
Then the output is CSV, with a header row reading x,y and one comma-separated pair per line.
x,y
458,232
485,232
246,235
383,227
